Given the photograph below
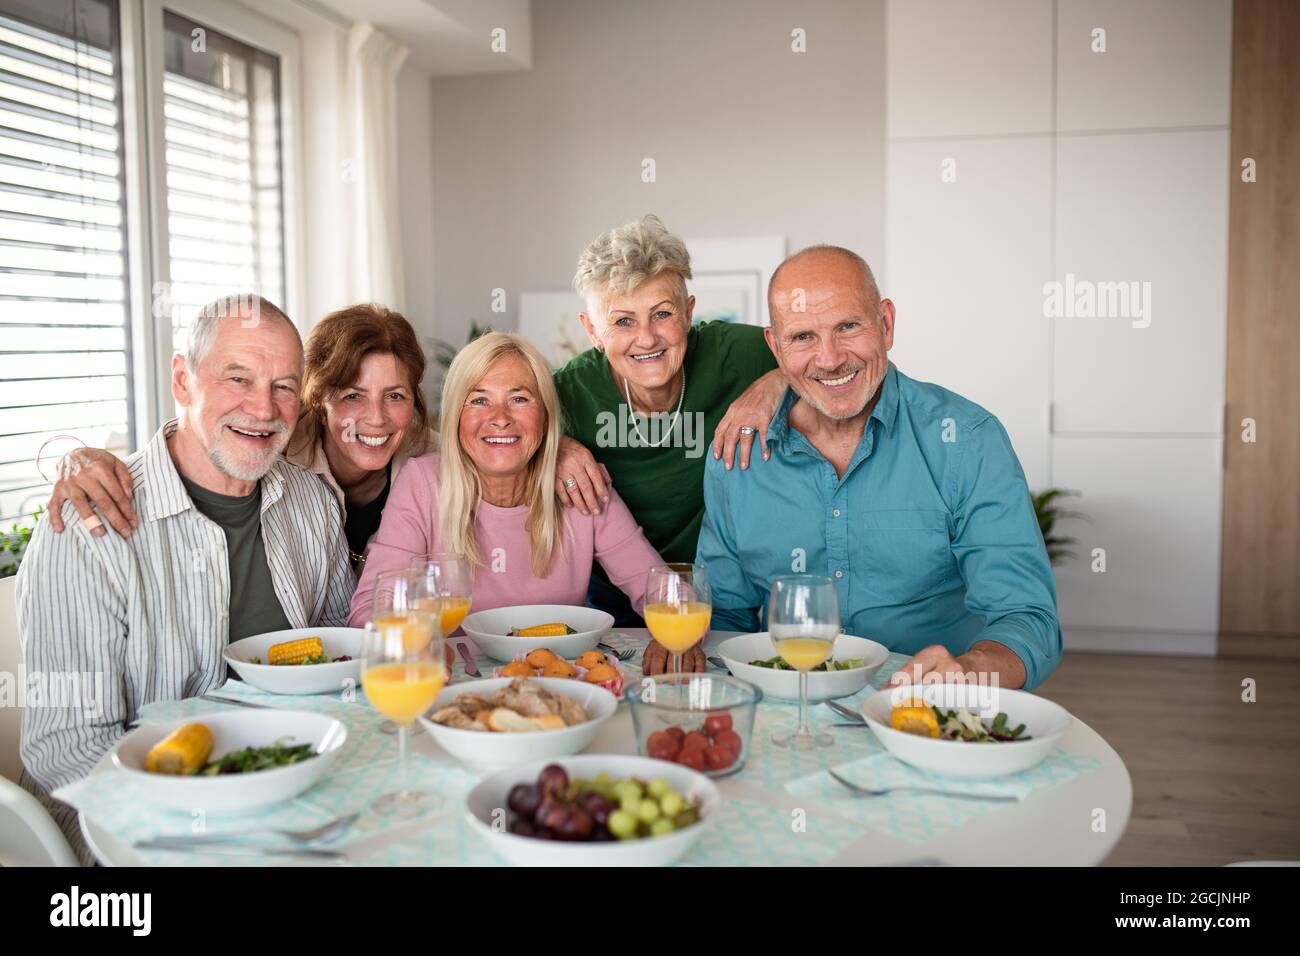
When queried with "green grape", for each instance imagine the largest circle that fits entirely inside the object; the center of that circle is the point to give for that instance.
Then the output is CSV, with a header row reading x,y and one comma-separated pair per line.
x,y
686,818
622,825
662,827
657,787
672,803
649,811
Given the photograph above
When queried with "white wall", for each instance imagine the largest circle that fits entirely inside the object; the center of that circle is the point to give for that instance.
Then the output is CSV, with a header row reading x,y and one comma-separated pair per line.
x,y
749,139
1112,167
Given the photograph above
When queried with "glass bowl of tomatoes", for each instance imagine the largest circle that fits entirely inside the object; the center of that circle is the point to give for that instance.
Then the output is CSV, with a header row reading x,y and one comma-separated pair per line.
x,y
702,721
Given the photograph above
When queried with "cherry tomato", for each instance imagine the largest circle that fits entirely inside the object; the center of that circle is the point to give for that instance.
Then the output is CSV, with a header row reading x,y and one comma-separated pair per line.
x,y
715,724
691,758
718,757
695,741
676,733
662,746
729,739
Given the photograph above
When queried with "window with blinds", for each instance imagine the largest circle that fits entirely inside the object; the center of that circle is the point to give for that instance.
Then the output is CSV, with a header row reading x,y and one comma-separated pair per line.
x,y
64,312
221,104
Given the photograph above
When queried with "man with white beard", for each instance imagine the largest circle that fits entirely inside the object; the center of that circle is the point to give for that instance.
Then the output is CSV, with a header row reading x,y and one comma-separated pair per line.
x,y
906,495
233,541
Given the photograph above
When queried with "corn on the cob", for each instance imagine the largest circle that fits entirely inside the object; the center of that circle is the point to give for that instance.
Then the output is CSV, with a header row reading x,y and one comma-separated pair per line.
x,y
542,630
183,751
916,718
295,652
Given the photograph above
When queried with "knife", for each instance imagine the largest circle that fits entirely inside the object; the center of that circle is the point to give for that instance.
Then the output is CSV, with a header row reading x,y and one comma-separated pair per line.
x,y
235,850
470,668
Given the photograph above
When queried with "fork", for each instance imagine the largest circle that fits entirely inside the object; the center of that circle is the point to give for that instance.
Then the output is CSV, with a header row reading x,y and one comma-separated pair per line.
x,y
845,712
301,837
622,656
867,792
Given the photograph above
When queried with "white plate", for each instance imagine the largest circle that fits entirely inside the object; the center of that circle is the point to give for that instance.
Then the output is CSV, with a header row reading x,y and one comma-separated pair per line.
x,y
490,629
235,730
1045,722
784,685
299,678
487,800
485,749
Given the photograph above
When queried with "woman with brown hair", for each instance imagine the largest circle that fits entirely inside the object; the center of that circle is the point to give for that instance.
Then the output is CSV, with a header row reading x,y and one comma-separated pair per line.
x,y
363,416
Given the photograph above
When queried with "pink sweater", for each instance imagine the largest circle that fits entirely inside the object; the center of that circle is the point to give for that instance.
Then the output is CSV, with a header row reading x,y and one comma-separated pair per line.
x,y
409,529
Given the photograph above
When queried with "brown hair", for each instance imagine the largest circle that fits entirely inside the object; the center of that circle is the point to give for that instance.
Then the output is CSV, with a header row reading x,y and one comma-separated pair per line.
x,y
339,342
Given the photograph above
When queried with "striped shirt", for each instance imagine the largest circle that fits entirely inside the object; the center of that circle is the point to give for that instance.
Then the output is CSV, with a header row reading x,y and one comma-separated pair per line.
x,y
130,621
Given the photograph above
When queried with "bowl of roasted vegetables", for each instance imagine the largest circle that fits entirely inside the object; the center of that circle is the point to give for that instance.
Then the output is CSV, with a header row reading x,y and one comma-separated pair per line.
x,y
753,658
305,660
966,730
503,633
230,761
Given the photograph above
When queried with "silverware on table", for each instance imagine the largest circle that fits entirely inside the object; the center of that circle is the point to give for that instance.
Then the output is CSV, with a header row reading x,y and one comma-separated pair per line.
x,y
956,795
231,849
218,699
471,669
719,663
623,656
845,712
318,834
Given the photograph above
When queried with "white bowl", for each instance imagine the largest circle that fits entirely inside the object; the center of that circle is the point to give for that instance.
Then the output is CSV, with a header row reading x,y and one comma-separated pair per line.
x,y
299,678
490,629
235,730
487,801
784,685
1045,723
480,748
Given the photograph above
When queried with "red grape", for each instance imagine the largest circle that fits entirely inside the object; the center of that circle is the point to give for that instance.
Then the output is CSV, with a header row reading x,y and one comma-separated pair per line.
x,y
524,799
552,780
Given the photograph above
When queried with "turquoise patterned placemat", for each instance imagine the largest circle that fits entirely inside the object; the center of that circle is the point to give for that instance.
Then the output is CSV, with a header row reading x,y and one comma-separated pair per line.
x,y
750,833
917,817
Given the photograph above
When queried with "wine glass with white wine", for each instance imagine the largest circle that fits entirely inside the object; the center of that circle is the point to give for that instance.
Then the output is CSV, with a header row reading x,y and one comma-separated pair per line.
x,y
803,617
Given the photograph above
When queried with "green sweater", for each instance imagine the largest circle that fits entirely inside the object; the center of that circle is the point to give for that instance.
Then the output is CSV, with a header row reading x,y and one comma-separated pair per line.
x,y
663,487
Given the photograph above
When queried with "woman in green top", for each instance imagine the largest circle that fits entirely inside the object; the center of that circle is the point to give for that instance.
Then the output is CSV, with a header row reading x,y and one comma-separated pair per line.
x,y
651,392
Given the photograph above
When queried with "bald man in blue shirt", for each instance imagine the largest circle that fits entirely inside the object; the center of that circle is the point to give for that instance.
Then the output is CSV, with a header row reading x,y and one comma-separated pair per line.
x,y
906,495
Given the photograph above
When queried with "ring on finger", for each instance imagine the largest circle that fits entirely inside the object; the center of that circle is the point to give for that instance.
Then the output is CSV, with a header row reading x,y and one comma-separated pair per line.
x,y
570,483
747,429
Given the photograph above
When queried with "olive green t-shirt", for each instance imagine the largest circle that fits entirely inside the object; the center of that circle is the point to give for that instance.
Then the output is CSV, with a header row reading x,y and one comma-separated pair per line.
x,y
663,487
254,608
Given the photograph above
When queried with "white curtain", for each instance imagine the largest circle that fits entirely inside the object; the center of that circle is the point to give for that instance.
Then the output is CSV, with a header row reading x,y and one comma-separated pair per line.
x,y
373,61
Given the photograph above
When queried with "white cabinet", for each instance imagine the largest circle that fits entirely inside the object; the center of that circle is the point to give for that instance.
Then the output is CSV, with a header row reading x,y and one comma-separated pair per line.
x,y
955,68
965,262
1146,213
1167,63
1153,506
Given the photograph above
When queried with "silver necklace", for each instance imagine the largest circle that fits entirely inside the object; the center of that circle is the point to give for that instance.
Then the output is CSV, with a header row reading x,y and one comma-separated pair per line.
x,y
627,392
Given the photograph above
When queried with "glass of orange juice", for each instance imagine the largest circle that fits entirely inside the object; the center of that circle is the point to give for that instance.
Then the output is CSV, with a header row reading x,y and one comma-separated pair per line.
x,y
448,578
402,604
677,609
402,673
803,618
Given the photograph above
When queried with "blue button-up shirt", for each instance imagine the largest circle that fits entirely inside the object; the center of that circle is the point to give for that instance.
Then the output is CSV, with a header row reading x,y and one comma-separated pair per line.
x,y
930,536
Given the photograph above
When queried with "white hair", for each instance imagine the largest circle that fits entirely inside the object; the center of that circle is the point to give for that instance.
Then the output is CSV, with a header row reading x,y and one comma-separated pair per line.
x,y
620,260
245,306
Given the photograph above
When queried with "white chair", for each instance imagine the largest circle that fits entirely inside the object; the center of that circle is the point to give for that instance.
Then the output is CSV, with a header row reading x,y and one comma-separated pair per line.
x,y
28,834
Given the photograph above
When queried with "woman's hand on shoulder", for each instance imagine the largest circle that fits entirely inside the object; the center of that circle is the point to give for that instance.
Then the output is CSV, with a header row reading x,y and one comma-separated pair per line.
x,y
753,411
580,481
93,478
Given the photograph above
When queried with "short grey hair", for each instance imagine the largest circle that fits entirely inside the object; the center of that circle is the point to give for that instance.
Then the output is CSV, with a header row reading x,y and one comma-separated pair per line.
x,y
623,258
245,306
869,287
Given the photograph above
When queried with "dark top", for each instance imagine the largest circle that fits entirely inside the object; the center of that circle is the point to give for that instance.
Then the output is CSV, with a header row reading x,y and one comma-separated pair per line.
x,y
363,520
254,607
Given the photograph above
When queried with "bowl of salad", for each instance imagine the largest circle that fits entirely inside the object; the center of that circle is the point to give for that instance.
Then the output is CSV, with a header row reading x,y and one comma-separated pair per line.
x,y
231,761
966,731
303,660
853,661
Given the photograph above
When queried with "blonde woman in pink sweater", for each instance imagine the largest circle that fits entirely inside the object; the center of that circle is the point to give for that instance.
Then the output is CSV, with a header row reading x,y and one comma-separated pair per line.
x,y
489,494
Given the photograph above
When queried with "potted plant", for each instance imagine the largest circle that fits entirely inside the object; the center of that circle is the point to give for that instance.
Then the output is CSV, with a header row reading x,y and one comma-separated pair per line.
x,y
1048,511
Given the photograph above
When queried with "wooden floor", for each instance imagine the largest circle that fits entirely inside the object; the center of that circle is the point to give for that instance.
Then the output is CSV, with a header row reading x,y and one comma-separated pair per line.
x,y
1215,780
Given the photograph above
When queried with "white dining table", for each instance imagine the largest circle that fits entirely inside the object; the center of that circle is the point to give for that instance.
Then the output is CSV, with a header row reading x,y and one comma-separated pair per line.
x,y
1076,822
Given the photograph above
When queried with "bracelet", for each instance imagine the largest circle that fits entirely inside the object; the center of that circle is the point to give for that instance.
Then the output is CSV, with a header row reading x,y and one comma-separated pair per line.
x,y
40,451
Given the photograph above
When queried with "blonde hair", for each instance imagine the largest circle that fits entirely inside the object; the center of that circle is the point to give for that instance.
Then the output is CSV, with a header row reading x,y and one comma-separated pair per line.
x,y
620,260
460,489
